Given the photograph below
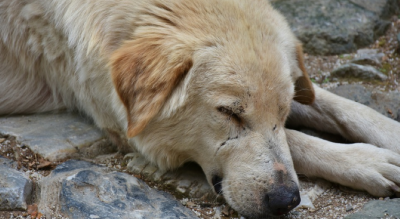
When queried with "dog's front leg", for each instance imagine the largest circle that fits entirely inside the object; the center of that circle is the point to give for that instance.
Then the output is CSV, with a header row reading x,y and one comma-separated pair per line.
x,y
354,121
359,166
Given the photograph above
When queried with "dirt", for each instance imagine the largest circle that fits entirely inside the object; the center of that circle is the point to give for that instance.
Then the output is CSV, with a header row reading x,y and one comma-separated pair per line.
x,y
334,202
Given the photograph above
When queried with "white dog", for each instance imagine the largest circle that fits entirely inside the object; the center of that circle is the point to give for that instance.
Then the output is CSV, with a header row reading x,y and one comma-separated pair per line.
x,y
210,81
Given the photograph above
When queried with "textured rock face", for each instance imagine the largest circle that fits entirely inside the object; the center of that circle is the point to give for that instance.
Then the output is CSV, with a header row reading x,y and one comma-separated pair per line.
x,y
378,209
335,27
80,189
15,187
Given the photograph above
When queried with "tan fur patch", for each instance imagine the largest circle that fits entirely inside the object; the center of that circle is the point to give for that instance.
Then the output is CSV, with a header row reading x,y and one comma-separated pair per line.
x,y
144,74
280,167
303,86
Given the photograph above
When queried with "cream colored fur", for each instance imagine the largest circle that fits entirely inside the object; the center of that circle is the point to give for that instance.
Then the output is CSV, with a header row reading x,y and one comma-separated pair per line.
x,y
210,81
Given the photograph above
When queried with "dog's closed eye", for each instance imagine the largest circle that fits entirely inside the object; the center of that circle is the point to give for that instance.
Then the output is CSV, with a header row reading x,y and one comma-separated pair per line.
x,y
230,113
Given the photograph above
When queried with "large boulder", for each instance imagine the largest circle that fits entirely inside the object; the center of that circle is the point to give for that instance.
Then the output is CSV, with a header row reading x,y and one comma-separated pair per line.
x,y
329,27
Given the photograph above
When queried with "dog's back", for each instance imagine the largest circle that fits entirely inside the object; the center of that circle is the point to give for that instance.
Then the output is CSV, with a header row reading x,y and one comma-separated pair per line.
x,y
51,52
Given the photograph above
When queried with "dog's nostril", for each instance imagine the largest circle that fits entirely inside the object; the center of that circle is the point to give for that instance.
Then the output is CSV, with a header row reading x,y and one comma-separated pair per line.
x,y
217,183
282,200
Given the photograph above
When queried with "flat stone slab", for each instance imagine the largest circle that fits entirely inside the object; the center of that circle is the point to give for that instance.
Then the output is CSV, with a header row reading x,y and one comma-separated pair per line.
x,y
15,187
378,209
53,136
328,27
79,189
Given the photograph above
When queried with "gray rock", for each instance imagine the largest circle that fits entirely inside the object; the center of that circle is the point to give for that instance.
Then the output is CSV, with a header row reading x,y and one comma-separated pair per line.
x,y
398,43
335,27
186,181
15,188
53,136
8,163
387,103
79,189
368,57
358,71
349,207
378,209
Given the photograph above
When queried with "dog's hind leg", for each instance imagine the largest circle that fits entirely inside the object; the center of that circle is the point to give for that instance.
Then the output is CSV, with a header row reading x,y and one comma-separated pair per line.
x,y
360,166
354,121
23,92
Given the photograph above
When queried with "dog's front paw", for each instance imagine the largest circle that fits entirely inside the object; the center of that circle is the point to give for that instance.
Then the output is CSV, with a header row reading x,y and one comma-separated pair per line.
x,y
370,168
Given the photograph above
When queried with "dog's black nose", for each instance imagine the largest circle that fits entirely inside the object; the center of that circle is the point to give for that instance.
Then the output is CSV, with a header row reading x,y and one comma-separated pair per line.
x,y
282,200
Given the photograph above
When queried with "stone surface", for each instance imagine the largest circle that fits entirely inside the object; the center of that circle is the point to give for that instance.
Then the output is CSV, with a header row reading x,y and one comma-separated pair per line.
x,y
358,71
8,163
54,136
335,27
387,103
378,209
15,187
79,189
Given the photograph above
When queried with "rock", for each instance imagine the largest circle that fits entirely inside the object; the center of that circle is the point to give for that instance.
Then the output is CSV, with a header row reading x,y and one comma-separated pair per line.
x,y
8,163
374,6
358,71
187,181
329,27
398,43
53,136
305,202
79,189
387,103
15,188
378,209
368,57
349,207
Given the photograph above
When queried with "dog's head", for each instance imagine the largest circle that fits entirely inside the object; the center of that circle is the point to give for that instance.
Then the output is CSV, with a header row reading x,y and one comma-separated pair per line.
x,y
212,82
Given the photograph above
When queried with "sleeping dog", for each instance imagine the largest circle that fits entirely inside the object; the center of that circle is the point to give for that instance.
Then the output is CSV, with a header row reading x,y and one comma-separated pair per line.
x,y
209,81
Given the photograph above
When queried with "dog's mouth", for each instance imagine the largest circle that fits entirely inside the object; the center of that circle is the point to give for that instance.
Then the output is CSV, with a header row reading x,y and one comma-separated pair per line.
x,y
217,184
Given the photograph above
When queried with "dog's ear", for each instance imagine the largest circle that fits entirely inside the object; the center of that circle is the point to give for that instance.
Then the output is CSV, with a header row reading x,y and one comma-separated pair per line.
x,y
304,91
145,72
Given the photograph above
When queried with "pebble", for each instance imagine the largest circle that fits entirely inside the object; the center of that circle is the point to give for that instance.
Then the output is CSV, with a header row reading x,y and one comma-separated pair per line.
x,y
358,71
368,57
349,207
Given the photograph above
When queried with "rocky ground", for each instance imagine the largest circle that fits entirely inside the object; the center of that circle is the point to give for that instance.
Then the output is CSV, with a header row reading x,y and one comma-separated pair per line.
x,y
47,182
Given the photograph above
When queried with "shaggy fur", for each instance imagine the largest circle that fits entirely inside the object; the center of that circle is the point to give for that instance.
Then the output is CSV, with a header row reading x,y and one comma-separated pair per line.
x,y
209,81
